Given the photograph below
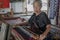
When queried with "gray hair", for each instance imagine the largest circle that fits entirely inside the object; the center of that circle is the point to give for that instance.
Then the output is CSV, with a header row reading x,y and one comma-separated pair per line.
x,y
39,2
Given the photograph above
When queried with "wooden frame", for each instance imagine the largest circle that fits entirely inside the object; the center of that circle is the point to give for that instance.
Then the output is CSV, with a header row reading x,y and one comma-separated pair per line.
x,y
4,31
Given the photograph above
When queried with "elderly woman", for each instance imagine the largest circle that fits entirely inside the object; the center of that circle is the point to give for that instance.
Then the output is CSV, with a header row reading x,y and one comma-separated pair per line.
x,y
39,22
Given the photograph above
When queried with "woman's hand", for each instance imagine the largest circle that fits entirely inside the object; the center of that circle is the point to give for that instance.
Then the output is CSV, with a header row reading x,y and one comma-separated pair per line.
x,y
36,37
42,37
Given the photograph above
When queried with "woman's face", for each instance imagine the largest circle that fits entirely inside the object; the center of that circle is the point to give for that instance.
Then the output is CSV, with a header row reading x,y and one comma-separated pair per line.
x,y
36,7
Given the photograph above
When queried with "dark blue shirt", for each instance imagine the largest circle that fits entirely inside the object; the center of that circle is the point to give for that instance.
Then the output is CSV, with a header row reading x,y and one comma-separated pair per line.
x,y
38,23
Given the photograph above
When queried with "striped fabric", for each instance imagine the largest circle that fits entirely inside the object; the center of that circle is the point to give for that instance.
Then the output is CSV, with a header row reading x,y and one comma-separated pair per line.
x,y
53,8
16,35
21,35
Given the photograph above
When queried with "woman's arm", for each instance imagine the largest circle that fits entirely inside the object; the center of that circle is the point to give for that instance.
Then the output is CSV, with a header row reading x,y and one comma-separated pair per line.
x,y
43,36
48,27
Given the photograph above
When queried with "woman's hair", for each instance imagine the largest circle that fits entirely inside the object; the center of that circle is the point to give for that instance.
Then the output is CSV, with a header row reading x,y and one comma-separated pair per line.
x,y
39,2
